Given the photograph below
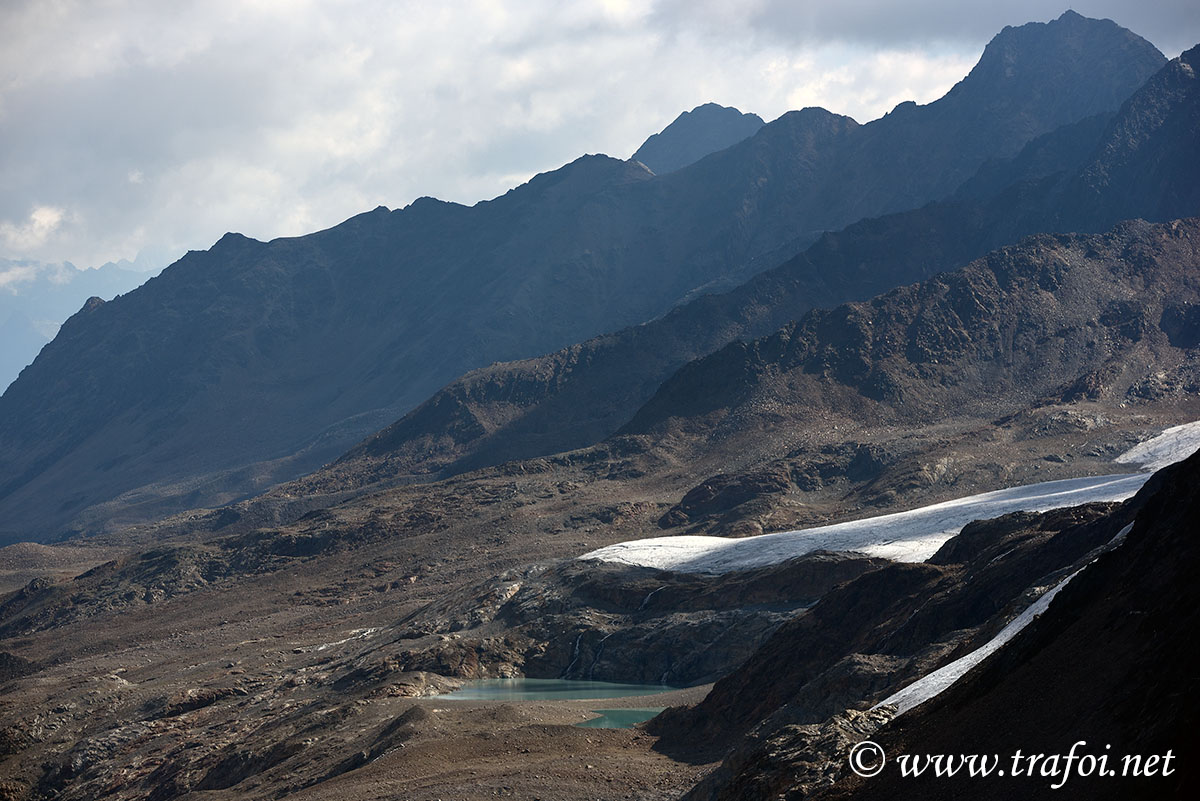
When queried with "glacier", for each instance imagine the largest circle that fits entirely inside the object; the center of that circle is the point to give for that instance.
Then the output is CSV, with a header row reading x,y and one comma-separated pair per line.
x,y
910,536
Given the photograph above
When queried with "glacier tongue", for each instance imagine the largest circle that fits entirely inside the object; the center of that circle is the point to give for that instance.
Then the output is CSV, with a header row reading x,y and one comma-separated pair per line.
x,y
911,536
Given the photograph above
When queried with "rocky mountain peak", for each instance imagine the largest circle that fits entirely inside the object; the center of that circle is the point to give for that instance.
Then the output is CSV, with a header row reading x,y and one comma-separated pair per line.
x,y
1064,50
695,134
587,174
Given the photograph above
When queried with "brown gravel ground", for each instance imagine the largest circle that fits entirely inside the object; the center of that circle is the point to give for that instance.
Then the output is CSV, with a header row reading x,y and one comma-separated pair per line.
x,y
525,750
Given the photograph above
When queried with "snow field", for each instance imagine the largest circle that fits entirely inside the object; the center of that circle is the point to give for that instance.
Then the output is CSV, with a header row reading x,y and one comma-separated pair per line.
x,y
1173,445
911,536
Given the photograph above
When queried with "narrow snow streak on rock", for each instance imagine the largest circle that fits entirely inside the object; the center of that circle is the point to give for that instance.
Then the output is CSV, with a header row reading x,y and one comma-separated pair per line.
x,y
930,685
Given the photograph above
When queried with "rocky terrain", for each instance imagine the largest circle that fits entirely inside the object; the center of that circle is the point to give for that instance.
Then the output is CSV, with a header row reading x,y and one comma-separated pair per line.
x,y
26,561
126,689
1054,318
608,622
252,362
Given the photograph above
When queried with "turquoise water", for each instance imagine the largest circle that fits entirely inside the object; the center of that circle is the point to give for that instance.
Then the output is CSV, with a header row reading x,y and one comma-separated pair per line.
x,y
548,690
620,718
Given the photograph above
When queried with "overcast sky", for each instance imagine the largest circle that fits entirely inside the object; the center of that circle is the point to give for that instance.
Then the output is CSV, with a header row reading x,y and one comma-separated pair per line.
x,y
149,127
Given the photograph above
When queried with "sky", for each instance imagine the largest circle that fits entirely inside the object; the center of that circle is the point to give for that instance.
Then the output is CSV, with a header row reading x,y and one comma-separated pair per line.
x,y
136,129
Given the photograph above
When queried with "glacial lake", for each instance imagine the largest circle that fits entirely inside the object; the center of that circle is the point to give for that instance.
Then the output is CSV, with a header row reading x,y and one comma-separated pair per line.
x,y
620,718
548,690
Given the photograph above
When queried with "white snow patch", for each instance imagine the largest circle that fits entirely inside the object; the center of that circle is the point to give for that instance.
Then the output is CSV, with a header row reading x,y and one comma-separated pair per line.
x,y
1173,445
911,536
355,634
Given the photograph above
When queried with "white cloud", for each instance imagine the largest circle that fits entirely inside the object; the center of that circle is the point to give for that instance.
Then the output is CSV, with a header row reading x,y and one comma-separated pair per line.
x,y
163,125
14,273
34,231
863,84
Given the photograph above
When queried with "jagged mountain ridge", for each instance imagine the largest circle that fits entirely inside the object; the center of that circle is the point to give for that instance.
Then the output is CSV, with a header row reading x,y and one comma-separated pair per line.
x,y
255,361
1003,65
695,134
581,394
1064,317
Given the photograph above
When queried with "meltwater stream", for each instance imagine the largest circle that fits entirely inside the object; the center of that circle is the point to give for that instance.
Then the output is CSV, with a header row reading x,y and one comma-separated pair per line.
x,y
565,690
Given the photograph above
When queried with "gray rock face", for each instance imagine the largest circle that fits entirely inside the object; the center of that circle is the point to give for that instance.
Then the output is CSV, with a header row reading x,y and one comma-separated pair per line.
x,y
793,762
922,352
609,622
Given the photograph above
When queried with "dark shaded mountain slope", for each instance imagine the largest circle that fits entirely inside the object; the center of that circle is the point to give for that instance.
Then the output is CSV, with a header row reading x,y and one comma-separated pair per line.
x,y
910,618
695,134
1054,317
1152,151
581,394
1111,663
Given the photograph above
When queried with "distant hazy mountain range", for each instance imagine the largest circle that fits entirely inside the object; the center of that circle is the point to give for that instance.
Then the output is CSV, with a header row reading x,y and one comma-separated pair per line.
x,y
254,362
36,297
